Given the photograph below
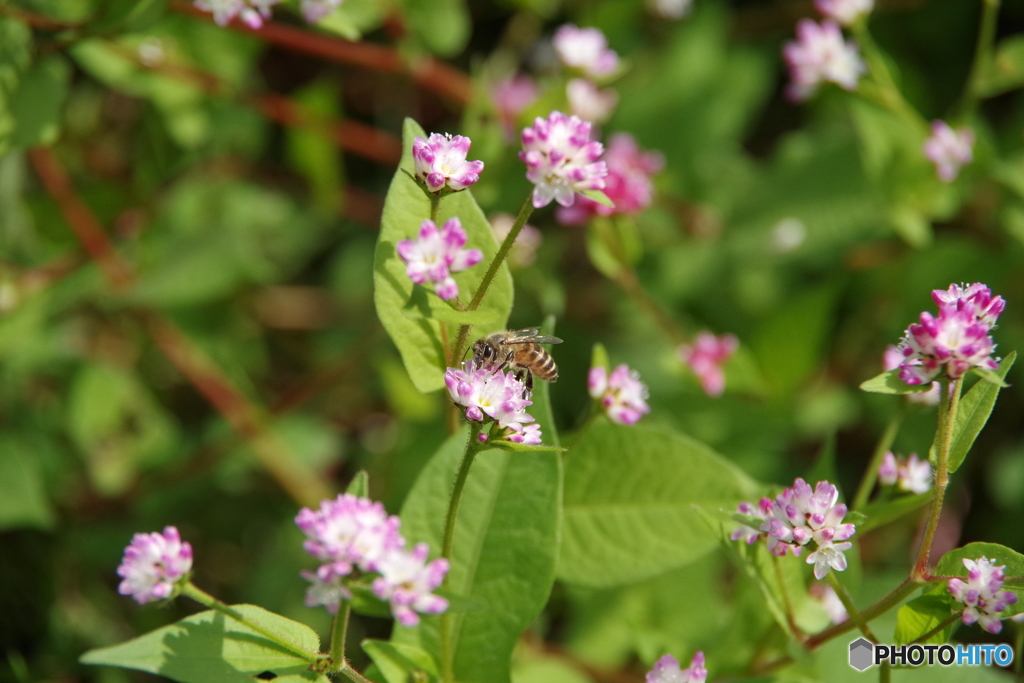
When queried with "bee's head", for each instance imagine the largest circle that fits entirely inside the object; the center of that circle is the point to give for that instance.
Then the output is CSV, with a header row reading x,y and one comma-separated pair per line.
x,y
483,353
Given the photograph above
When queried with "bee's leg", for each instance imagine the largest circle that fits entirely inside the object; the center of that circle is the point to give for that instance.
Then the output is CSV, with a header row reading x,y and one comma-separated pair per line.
x,y
529,380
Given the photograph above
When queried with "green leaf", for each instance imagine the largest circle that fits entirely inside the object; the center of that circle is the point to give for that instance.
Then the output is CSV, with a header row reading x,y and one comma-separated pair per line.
x,y
311,149
15,57
855,518
211,648
443,26
890,383
505,548
598,196
973,412
360,484
599,357
1006,71
426,304
630,497
952,564
23,500
990,376
881,513
37,106
399,662
419,339
921,615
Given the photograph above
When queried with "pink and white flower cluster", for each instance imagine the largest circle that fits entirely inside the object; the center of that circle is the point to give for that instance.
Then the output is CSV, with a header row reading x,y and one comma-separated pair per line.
x,y
351,534
154,565
589,102
981,595
820,55
667,670
955,341
706,357
798,516
585,49
440,161
891,359
846,12
561,159
436,254
911,474
949,149
494,395
621,393
628,183
253,13
825,595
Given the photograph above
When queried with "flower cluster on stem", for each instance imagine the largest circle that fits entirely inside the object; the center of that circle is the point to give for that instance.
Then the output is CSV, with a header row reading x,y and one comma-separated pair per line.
x,y
820,55
440,162
154,566
621,393
436,254
706,356
955,341
949,149
911,474
490,394
668,670
561,159
981,595
798,516
585,49
352,536
628,184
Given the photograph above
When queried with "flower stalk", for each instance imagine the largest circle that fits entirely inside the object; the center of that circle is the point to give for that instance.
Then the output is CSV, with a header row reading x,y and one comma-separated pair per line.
x,y
867,482
949,402
202,597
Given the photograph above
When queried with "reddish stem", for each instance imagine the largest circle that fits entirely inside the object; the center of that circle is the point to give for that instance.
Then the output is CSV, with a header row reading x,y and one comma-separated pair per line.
x,y
428,72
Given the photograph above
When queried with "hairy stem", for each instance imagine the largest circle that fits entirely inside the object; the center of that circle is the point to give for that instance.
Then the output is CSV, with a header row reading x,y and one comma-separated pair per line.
x,y
461,341
888,93
867,482
949,402
473,446
851,609
339,629
982,56
894,598
202,597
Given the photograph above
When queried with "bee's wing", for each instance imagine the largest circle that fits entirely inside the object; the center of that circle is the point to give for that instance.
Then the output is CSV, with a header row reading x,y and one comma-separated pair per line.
x,y
532,339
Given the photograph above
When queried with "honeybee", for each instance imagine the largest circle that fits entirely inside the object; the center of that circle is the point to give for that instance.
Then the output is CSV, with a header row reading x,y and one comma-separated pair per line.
x,y
519,350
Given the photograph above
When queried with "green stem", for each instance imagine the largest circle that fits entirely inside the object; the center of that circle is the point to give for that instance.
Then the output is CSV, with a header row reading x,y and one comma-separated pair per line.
x,y
945,623
202,597
1018,661
463,336
352,675
339,629
879,608
982,56
888,93
867,482
855,616
785,599
885,673
435,204
473,446
949,402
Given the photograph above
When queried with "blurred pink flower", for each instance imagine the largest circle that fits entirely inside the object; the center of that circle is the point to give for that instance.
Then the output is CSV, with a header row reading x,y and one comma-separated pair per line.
x,y
589,102
524,249
980,594
406,581
628,183
819,55
706,356
621,393
585,49
667,670
846,12
511,97
949,149
153,565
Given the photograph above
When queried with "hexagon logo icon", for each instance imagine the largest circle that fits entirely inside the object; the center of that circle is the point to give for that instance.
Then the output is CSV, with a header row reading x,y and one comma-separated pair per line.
x,y
862,654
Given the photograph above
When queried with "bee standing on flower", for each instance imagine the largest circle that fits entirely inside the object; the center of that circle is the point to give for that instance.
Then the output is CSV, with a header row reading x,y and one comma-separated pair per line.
x,y
519,350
